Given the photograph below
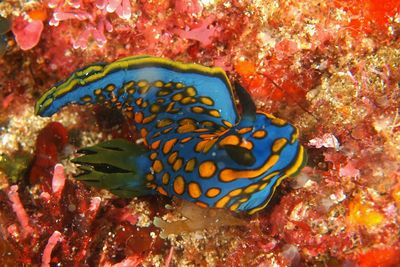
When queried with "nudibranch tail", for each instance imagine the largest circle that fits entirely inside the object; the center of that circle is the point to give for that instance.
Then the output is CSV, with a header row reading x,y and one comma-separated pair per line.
x,y
59,95
134,82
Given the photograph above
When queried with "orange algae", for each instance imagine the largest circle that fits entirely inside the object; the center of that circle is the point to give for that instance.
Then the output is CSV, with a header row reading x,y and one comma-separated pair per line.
x,y
38,14
396,195
369,15
276,81
363,213
247,71
382,257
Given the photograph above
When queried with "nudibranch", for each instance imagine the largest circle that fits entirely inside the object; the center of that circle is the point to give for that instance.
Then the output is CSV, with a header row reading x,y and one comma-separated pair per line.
x,y
196,145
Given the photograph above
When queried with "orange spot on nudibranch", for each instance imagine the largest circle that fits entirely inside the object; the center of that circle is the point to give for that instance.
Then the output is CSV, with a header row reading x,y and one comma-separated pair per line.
x,y
153,155
158,84
155,108
235,192
149,177
247,144
138,117
194,190
98,91
143,133
163,123
157,166
251,189
215,113
279,144
197,109
165,178
189,167
162,191
139,101
155,144
207,169
149,119
205,145
259,134
170,107
179,185
245,130
187,139
213,192
169,145
222,202
227,123
187,100
172,157
230,140
206,101
110,87
177,97
190,91
177,164
186,128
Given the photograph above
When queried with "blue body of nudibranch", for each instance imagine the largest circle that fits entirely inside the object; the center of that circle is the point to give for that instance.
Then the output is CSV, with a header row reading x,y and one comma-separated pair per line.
x,y
197,146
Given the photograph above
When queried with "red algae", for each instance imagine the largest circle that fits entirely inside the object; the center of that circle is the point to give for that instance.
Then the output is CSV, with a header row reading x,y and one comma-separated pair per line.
x,y
27,33
73,207
331,68
50,142
19,211
53,240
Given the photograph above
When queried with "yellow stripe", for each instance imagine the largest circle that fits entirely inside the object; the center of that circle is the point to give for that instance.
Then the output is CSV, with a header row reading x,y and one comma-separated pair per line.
x,y
89,69
295,167
297,164
250,189
295,135
189,67
65,88
262,206
128,62
44,102
222,202
69,83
